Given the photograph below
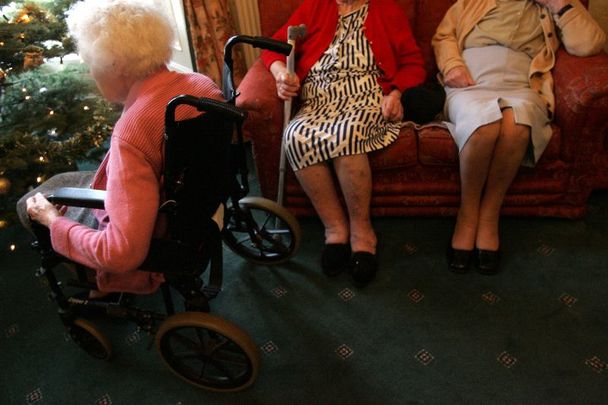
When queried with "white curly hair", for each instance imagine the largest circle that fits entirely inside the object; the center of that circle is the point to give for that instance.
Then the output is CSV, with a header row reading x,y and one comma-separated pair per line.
x,y
129,37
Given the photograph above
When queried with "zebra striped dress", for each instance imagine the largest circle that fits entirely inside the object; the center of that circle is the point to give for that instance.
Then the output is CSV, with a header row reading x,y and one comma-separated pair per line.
x,y
340,112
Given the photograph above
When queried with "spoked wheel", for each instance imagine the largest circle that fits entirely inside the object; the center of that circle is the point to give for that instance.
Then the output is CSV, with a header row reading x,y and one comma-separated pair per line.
x,y
208,351
262,231
86,335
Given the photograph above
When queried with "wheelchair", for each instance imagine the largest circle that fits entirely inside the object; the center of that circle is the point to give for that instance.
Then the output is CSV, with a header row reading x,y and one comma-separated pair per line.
x,y
203,164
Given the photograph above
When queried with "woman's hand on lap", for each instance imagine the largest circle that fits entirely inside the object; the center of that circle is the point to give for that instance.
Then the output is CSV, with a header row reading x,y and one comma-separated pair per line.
x,y
458,77
392,109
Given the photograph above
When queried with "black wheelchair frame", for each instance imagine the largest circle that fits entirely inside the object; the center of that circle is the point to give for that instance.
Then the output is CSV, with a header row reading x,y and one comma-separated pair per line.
x,y
204,350
258,229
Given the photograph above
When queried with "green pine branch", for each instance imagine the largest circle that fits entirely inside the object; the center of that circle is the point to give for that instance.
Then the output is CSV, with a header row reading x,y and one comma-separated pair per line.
x,y
49,122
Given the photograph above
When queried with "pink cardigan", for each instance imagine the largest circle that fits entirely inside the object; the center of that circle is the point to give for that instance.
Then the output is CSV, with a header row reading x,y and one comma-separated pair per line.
x,y
130,173
386,28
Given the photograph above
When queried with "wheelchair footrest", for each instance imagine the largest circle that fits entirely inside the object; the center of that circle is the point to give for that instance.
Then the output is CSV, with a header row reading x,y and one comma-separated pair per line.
x,y
81,284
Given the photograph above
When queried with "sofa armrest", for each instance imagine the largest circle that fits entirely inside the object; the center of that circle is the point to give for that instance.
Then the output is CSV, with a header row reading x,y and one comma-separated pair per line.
x,y
581,99
264,124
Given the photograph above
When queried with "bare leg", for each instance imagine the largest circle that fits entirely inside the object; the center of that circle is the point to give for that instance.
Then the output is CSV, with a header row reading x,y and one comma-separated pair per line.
x,y
355,177
510,150
317,182
475,160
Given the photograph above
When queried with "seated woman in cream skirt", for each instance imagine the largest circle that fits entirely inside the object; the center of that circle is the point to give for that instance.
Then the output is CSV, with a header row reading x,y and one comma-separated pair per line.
x,y
495,59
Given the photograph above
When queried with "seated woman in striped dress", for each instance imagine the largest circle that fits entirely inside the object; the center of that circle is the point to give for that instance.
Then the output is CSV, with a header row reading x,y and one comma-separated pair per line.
x,y
352,67
496,57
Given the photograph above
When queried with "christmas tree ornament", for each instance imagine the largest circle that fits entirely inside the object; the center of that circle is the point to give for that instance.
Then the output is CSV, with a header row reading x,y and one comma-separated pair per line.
x,y
32,57
5,185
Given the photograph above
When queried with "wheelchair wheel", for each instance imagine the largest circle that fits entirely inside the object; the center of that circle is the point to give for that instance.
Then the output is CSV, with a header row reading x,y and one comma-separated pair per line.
x,y
86,335
208,351
261,231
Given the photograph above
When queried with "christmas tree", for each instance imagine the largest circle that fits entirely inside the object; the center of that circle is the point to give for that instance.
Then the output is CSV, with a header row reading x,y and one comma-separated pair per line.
x,y
39,24
51,115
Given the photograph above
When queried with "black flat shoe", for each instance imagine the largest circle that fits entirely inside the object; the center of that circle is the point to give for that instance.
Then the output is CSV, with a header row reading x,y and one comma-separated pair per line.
x,y
363,268
459,260
335,258
488,261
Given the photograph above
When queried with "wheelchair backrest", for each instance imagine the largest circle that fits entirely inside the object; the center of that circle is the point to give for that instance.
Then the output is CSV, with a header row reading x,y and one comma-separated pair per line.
x,y
196,172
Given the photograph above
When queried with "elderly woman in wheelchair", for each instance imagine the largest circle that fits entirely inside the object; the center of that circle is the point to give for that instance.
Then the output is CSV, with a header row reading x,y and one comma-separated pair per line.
x,y
143,190
126,47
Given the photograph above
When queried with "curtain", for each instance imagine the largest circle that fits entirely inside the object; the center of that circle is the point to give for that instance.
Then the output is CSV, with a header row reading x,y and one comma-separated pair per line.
x,y
211,24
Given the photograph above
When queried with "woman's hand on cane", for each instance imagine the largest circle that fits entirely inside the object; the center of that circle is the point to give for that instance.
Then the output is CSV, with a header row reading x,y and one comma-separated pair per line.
x,y
288,84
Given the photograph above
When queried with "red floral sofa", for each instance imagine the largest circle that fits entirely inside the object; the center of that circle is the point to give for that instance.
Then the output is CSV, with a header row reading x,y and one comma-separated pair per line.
x,y
418,174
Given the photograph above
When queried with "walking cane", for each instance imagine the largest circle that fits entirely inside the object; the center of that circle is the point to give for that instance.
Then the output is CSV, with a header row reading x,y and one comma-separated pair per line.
x,y
293,32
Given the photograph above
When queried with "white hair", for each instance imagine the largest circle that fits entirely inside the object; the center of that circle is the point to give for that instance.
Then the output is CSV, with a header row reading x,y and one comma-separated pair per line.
x,y
129,37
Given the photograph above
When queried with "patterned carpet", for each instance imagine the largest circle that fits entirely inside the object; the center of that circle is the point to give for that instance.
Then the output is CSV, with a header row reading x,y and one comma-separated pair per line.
x,y
536,333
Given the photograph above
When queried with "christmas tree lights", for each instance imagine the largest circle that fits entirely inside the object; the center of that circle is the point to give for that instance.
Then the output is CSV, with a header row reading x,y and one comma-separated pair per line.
x,y
52,117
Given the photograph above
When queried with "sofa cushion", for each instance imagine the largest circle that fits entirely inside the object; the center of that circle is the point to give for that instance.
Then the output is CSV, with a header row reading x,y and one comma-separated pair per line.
x,y
401,153
552,153
436,146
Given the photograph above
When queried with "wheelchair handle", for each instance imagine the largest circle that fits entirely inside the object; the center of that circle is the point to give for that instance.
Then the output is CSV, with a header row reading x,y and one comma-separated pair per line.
x,y
270,44
230,111
257,42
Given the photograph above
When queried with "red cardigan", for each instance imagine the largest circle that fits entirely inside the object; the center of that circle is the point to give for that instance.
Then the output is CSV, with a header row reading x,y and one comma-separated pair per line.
x,y
386,27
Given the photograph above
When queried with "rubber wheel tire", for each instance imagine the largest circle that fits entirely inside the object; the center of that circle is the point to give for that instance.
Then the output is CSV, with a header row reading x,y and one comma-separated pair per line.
x,y
255,238
90,339
208,352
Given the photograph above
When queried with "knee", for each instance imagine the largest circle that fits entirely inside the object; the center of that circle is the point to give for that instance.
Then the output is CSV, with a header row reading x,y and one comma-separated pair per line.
x,y
516,135
514,132
485,136
353,165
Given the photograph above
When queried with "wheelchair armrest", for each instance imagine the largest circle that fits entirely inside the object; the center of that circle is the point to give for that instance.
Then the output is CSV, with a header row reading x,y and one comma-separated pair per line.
x,y
78,197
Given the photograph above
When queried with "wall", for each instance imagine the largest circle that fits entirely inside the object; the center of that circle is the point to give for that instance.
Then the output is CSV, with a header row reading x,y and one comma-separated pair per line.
x,y
599,10
247,23
181,60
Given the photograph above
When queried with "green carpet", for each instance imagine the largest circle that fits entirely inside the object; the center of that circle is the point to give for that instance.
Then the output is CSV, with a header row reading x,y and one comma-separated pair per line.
x,y
537,333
